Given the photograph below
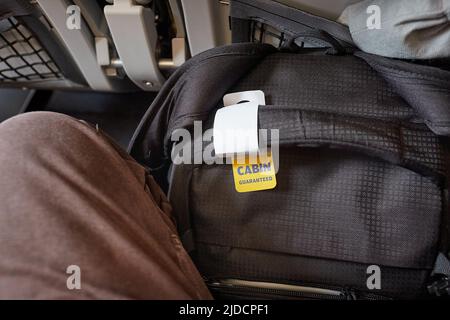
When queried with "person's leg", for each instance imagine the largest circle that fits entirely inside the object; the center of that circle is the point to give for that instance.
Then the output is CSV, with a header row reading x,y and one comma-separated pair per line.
x,y
68,196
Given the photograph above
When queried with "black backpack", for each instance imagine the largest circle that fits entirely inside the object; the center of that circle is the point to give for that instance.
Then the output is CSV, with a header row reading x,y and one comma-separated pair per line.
x,y
363,170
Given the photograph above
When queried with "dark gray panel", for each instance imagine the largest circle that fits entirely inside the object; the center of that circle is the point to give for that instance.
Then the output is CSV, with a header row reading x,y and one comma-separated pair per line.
x,y
11,102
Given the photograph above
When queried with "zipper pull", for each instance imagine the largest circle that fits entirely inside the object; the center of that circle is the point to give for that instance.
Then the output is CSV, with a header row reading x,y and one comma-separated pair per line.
x,y
349,294
440,287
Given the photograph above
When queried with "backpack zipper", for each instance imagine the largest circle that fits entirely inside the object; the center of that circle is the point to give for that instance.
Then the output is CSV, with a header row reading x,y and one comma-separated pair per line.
x,y
277,290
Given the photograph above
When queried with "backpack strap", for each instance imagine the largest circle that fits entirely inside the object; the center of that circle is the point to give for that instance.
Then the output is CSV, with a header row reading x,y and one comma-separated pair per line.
x,y
426,89
290,21
322,39
190,94
391,141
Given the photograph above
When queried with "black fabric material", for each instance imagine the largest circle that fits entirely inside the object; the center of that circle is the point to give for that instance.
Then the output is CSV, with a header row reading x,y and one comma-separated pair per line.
x,y
241,30
361,177
189,95
218,262
181,204
289,20
412,146
328,204
335,84
426,89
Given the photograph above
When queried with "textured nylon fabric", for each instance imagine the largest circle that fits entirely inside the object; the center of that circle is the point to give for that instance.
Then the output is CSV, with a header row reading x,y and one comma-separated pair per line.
x,y
218,262
355,187
339,84
424,88
190,94
327,204
410,145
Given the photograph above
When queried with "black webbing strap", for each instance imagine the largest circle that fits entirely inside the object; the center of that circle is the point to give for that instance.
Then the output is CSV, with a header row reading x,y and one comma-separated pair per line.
x,y
410,146
426,89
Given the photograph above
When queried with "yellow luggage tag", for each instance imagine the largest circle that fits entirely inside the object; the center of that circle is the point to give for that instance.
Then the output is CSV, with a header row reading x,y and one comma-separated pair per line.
x,y
251,173
255,175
